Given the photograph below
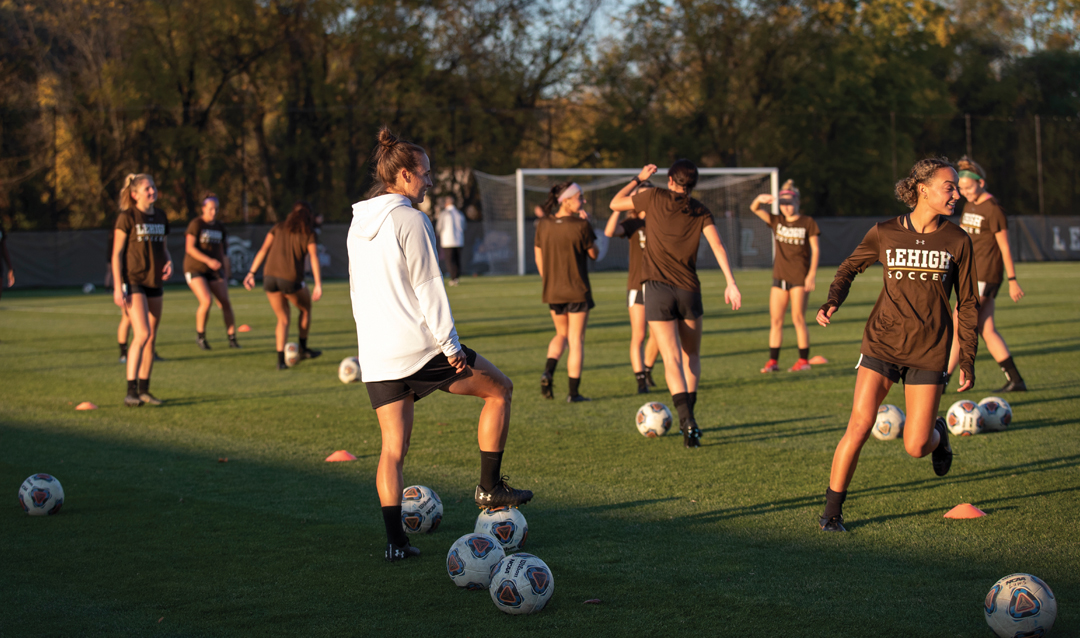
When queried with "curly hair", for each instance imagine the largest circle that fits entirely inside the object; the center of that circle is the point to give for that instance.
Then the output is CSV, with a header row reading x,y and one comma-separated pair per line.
x,y
921,173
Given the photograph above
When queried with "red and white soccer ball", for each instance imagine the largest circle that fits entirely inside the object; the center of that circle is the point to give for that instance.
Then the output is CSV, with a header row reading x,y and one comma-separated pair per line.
x,y
349,370
965,418
653,419
506,524
521,584
998,414
292,354
1020,605
472,559
889,423
41,495
421,510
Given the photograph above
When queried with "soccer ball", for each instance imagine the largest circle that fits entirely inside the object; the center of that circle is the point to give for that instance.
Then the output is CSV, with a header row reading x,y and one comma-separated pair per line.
x,y
421,510
506,524
471,560
1020,605
292,354
88,288
965,418
349,370
997,412
889,423
41,495
521,584
653,419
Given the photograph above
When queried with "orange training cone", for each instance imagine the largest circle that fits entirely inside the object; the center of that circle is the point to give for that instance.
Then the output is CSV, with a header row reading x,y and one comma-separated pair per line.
x,y
340,455
244,328
86,405
817,360
965,510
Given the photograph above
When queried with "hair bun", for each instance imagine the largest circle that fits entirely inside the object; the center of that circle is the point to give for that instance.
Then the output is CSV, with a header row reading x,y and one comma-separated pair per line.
x,y
386,138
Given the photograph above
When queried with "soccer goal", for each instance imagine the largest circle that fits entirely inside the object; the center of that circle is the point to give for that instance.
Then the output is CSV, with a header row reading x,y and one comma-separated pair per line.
x,y
508,205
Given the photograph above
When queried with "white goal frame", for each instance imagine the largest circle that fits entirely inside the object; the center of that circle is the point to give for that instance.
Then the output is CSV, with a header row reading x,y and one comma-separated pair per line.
x,y
774,186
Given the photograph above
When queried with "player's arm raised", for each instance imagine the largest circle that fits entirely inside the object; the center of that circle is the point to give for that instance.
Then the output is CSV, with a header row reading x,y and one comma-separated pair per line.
x,y
622,201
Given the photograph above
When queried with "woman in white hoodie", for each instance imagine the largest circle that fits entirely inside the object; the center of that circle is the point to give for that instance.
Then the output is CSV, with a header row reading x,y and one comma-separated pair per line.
x,y
408,346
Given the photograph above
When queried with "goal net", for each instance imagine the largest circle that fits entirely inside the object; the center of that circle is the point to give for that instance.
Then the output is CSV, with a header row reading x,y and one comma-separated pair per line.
x,y
508,203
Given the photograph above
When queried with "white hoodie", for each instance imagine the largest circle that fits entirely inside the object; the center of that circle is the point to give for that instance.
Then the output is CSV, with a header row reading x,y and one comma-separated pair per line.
x,y
402,314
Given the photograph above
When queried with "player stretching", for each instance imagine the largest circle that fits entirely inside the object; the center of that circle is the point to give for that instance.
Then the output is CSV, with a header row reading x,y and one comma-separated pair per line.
x,y
986,224
408,346
206,268
907,334
673,305
564,239
794,270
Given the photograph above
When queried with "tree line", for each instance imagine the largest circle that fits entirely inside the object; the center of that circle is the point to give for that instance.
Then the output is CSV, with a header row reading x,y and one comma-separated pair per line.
x,y
271,101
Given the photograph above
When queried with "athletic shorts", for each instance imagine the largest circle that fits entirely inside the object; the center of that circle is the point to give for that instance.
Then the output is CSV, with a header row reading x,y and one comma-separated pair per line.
x,y
664,302
635,297
579,306
436,374
210,276
786,285
989,290
276,284
894,372
149,291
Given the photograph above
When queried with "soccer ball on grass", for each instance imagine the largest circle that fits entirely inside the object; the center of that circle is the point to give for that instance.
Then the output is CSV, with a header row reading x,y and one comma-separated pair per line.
x,y
349,370
521,584
292,354
997,412
653,419
965,418
41,495
471,560
421,510
1020,605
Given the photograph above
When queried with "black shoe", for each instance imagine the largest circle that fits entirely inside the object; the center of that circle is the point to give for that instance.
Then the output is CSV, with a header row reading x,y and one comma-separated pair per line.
x,y
577,398
123,358
545,386
832,524
232,342
158,357
150,399
308,353
395,553
942,455
202,343
132,402
502,495
643,388
648,379
691,435
1013,386
282,366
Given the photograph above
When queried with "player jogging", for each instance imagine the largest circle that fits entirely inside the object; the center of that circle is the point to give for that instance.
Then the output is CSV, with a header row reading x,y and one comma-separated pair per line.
x,y
206,269
643,353
673,306
408,346
795,237
283,278
141,264
564,240
909,329
986,224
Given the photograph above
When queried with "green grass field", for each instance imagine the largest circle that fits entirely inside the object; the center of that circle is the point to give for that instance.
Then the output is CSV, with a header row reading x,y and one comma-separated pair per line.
x,y
158,536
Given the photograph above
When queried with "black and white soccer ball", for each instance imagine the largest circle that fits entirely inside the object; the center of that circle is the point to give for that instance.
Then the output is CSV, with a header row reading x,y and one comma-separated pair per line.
x,y
521,584
1020,605
41,495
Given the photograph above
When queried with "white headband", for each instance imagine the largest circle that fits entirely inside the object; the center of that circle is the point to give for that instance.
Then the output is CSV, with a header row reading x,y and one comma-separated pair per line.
x,y
571,190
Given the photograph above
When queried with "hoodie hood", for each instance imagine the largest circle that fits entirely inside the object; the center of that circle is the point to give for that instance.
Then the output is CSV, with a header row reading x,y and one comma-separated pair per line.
x,y
369,215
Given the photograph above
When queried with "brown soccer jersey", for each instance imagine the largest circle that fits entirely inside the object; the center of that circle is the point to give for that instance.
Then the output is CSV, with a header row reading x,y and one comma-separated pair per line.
x,y
911,323
144,256
210,240
285,259
672,237
634,230
792,241
564,243
982,222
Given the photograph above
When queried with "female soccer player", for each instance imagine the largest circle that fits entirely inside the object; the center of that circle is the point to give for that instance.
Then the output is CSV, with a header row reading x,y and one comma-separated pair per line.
x,y
7,273
986,224
673,304
564,239
408,346
794,271
283,279
642,353
206,268
141,264
908,333
450,224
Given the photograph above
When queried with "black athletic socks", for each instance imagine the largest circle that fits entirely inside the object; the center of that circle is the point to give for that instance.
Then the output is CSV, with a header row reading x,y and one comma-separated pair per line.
x,y
123,349
573,385
1011,373
549,366
774,354
395,533
642,382
201,335
303,344
834,502
804,353
133,388
280,358
490,469
144,386
683,407
691,398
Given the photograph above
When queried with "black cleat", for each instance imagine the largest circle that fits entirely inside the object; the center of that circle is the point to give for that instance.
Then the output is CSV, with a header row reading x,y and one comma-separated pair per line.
x,y
282,366
942,455
1013,386
233,343
832,524
691,434
545,386
648,379
395,553
502,495
150,399
132,402
577,398
643,388
201,341
158,357
308,353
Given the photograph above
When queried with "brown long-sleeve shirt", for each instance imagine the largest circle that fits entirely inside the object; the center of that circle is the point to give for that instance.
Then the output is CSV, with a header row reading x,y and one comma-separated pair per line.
x,y
911,323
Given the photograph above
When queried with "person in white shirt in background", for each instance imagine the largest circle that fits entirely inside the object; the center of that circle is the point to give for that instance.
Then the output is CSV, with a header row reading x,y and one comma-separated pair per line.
x,y
450,225
408,345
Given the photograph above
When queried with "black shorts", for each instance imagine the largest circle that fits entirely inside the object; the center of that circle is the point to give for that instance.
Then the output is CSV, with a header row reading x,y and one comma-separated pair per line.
x,y
635,297
210,276
786,285
989,290
276,284
894,372
436,374
664,302
149,291
579,306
